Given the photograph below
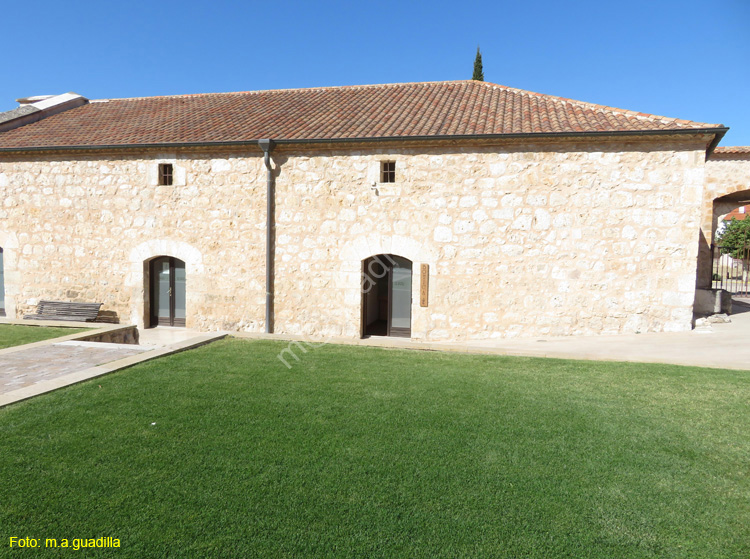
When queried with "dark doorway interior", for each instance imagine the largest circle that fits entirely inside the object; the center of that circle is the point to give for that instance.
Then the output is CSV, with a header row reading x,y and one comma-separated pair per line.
x,y
386,296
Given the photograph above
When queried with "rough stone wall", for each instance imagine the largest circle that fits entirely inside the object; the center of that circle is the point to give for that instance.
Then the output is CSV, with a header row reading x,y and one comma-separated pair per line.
x,y
726,174
85,226
543,239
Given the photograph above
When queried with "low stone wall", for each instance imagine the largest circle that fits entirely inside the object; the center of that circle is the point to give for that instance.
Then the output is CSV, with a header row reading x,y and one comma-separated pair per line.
x,y
125,335
712,301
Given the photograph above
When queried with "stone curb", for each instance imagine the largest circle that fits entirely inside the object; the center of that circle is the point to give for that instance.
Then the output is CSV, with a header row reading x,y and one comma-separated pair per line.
x,y
93,372
101,329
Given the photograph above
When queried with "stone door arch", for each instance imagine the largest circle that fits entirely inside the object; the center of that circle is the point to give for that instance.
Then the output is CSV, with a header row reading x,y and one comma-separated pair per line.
x,y
138,279
727,187
357,249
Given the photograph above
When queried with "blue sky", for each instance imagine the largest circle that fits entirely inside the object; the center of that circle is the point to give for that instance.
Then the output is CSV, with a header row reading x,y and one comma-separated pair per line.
x,y
687,59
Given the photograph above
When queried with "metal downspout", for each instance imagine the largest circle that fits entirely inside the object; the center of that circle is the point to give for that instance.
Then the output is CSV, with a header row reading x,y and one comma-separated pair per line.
x,y
267,147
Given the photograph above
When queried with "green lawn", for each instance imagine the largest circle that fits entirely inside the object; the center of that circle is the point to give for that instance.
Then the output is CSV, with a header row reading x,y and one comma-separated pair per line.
x,y
13,335
362,452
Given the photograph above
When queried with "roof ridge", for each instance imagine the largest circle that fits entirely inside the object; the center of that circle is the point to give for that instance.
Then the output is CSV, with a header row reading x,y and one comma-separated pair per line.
x,y
292,89
554,98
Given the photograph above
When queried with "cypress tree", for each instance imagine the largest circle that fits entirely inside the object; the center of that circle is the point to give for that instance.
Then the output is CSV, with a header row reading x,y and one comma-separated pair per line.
x,y
478,72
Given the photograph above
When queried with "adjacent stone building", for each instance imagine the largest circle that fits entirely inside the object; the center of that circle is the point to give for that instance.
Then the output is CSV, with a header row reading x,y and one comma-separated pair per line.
x,y
438,211
727,188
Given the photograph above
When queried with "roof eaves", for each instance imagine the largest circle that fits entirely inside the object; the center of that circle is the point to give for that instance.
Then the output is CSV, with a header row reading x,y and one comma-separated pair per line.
x,y
718,132
715,142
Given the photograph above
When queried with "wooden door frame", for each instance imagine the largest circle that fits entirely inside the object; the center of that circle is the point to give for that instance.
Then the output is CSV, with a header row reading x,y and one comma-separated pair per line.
x,y
389,279
363,304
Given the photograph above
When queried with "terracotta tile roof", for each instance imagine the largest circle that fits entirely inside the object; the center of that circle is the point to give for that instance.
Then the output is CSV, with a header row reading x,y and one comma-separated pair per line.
x,y
737,214
430,109
732,150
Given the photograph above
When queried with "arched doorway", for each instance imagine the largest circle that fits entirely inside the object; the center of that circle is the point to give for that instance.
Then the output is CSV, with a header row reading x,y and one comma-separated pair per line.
x,y
726,263
386,296
167,292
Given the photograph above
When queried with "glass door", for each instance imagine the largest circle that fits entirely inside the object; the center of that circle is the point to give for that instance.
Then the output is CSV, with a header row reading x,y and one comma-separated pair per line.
x,y
2,285
167,292
399,323
178,293
160,293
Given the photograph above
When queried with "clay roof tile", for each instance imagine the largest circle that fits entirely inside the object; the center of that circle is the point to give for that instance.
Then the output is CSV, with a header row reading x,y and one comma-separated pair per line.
x,y
432,109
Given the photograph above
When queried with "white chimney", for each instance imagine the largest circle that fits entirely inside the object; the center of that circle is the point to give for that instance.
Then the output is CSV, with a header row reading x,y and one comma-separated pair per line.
x,y
32,109
30,100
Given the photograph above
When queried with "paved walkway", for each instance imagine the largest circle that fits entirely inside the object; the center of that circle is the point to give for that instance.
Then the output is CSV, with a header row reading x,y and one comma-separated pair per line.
x,y
724,346
39,364
164,336
27,371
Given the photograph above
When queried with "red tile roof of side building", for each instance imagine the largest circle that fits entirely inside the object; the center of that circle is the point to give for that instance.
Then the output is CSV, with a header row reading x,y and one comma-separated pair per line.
x,y
736,214
738,150
411,110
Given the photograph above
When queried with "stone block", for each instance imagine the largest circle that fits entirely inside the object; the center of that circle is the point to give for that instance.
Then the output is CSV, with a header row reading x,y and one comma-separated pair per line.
x,y
712,301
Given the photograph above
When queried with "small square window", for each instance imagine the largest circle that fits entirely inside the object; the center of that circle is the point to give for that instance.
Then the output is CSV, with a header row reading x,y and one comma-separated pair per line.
x,y
166,174
387,171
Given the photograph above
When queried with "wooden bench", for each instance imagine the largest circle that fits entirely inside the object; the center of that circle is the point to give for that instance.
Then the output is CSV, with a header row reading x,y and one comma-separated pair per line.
x,y
60,310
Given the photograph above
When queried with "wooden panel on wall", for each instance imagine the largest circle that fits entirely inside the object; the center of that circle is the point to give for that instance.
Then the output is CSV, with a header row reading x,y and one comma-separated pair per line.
x,y
424,287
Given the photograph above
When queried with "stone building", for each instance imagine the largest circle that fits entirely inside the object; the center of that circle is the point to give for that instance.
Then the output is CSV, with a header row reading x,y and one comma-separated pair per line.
x,y
439,211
